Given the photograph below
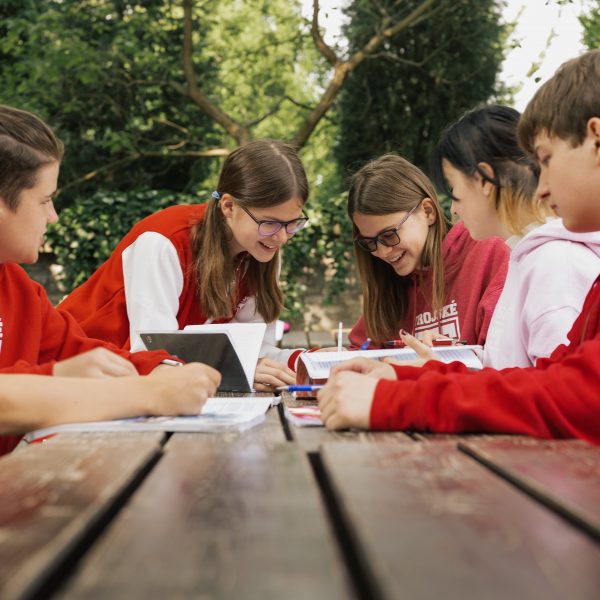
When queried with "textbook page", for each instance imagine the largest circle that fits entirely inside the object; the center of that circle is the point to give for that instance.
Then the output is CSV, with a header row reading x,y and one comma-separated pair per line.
x,y
318,364
218,414
247,339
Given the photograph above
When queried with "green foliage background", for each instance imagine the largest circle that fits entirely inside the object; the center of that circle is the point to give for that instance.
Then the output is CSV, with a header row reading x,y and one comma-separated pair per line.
x,y
401,99
108,76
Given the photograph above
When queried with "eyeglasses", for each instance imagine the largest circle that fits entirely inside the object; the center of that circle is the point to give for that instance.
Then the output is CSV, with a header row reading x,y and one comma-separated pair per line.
x,y
387,238
269,228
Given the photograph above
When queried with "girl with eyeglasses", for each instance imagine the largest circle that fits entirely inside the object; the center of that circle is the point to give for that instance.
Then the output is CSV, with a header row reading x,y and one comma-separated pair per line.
x,y
416,275
206,263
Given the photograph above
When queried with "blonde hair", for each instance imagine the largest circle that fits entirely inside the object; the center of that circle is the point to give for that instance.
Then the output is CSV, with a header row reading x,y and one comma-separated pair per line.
x,y
387,185
260,174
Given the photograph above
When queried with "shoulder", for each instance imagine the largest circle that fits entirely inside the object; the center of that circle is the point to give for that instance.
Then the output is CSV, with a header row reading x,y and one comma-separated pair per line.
x,y
171,221
459,245
14,277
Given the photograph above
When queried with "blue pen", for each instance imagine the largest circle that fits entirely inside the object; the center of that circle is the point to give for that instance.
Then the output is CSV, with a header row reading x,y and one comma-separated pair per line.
x,y
365,344
299,388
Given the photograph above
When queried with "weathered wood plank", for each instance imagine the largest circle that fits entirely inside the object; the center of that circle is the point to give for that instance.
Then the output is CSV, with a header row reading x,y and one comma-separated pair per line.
x,y
218,518
53,494
295,339
563,474
431,522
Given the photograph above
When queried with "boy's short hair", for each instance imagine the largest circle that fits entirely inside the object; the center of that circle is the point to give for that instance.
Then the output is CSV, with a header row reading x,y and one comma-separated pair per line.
x,y
26,144
563,106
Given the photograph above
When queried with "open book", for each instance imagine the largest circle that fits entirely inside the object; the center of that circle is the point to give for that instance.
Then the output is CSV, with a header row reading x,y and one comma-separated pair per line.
x,y
231,348
218,414
318,364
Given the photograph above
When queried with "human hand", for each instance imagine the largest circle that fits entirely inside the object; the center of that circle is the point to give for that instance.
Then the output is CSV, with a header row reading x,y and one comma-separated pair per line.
x,y
271,374
99,362
422,349
365,366
346,400
181,390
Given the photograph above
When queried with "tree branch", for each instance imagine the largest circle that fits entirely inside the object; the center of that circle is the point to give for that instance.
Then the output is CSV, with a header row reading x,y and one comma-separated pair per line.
x,y
343,69
230,125
210,153
320,44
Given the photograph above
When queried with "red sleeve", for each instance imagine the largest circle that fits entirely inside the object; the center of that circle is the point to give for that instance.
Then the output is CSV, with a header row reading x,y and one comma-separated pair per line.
x,y
62,338
22,367
558,401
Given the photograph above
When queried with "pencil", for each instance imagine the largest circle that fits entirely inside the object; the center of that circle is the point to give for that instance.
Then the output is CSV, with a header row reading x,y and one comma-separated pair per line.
x,y
340,336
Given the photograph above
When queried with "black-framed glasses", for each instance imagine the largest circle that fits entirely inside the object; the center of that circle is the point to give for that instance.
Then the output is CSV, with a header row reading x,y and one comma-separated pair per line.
x,y
387,238
269,228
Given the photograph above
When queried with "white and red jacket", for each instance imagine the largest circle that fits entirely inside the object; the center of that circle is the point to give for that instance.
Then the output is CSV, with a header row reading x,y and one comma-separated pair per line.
x,y
474,274
558,398
149,283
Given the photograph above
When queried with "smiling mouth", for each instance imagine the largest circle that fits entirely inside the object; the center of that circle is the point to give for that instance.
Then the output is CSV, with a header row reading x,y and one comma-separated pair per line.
x,y
269,247
397,258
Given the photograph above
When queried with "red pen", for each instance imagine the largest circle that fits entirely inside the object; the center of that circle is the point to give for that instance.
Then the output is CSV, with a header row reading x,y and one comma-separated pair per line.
x,y
442,342
394,343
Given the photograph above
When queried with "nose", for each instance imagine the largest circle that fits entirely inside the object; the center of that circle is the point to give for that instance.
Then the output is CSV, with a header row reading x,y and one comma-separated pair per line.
x,y
281,237
382,251
542,191
52,216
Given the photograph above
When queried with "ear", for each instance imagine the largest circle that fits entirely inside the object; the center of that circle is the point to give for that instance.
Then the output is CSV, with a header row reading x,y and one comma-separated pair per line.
x,y
593,131
430,211
487,186
226,205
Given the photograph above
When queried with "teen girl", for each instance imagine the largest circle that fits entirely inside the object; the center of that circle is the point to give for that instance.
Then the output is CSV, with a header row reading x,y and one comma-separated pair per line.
x,y
216,262
415,275
36,339
493,188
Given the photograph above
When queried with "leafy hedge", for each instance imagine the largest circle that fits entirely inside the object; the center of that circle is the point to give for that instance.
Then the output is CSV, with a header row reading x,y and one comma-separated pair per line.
x,y
89,230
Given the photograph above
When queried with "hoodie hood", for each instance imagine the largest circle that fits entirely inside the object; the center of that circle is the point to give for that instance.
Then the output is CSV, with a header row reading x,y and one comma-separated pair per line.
x,y
551,231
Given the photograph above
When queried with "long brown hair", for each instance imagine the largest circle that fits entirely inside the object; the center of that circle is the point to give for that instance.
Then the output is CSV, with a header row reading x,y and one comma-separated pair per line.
x,y
26,145
387,185
260,174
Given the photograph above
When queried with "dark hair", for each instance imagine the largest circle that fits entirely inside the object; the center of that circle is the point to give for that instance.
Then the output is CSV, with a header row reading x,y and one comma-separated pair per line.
x,y
26,144
260,174
388,185
488,134
563,106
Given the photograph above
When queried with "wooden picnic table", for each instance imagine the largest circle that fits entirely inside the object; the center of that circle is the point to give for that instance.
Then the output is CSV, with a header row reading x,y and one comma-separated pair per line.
x,y
279,511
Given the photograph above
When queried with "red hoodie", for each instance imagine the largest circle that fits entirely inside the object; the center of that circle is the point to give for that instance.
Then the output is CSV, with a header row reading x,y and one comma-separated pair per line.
x,y
474,274
34,335
558,398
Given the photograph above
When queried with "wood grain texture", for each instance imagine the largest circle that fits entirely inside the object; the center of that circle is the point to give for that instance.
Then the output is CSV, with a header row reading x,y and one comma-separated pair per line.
x,y
432,522
218,518
564,474
52,494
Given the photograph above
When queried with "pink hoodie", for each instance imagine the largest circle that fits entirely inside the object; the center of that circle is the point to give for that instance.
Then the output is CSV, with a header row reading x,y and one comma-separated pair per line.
x,y
550,272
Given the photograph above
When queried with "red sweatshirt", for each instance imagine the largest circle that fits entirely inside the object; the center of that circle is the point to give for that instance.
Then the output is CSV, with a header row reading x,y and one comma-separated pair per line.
x,y
34,335
558,398
474,274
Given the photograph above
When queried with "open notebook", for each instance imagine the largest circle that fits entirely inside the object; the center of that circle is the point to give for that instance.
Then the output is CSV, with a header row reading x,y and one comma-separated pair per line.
x,y
318,364
218,414
231,348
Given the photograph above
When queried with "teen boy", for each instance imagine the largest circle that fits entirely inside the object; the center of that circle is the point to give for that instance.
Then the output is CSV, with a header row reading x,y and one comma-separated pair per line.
x,y
35,338
560,396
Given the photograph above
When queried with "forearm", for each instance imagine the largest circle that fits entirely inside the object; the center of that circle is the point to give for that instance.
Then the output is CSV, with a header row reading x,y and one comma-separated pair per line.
x,y
29,402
